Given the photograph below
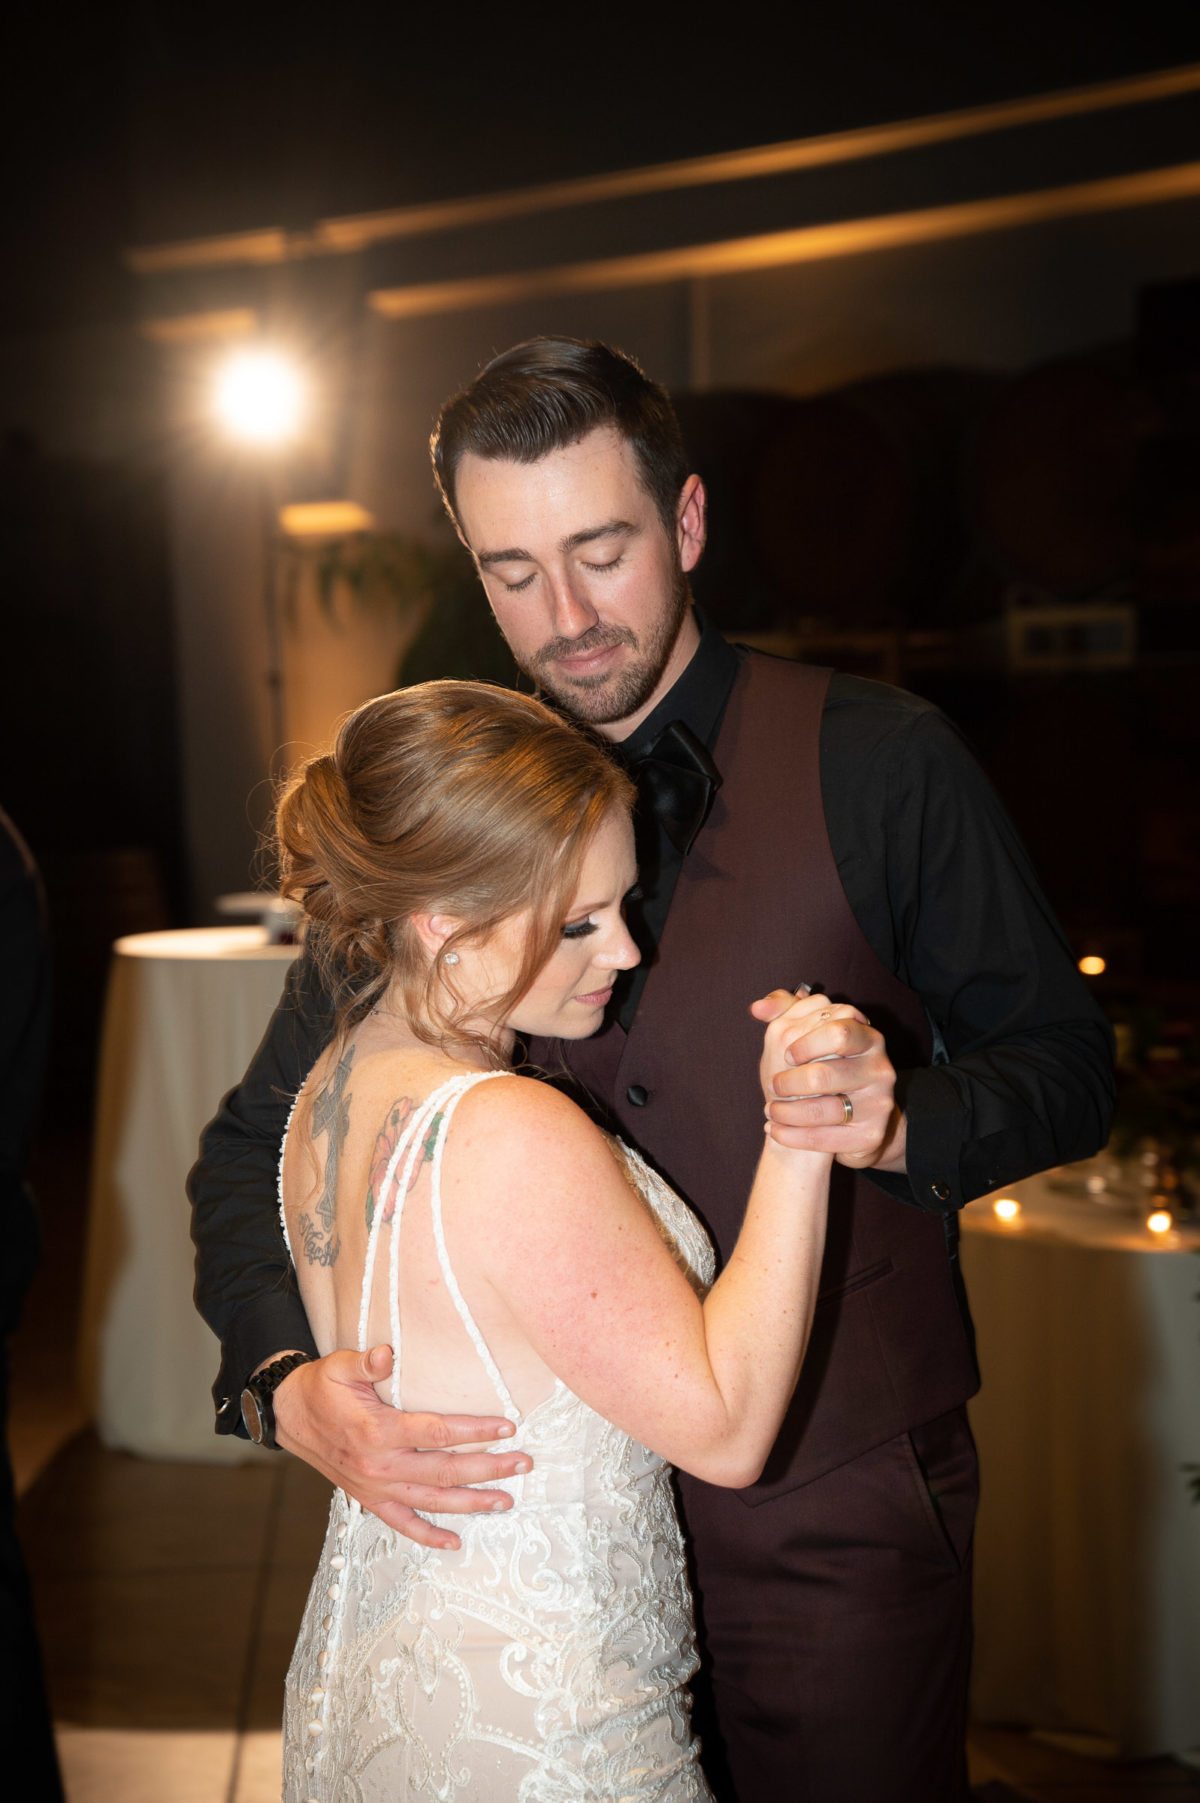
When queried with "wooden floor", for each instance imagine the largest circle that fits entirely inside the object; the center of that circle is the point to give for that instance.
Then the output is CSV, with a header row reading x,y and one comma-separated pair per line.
x,y
169,1596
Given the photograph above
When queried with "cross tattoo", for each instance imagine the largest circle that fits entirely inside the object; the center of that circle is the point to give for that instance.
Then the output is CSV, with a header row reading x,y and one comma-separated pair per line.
x,y
331,1115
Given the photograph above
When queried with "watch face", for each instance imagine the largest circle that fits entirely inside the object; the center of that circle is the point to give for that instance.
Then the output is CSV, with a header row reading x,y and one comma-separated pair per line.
x,y
254,1417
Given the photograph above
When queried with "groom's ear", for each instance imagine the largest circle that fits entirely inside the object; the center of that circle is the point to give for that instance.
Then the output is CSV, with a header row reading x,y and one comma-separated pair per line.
x,y
691,522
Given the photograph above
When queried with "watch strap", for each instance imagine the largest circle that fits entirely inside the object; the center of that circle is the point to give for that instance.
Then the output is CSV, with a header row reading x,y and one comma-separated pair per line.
x,y
258,1404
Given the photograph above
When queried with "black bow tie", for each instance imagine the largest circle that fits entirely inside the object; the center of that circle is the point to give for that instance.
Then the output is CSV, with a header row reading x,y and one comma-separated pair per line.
x,y
676,781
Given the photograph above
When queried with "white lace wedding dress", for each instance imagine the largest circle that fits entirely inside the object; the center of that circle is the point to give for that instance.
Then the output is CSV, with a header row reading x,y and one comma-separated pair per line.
x,y
547,1660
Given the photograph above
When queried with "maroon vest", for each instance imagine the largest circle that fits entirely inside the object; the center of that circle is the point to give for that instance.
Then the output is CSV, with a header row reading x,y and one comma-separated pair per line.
x,y
759,906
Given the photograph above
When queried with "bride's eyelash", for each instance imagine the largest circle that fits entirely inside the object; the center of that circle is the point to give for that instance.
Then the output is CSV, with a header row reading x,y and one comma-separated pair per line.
x,y
579,929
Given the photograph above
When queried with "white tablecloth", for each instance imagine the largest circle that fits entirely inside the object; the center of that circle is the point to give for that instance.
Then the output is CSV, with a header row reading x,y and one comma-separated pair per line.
x,y
184,1014
1088,1545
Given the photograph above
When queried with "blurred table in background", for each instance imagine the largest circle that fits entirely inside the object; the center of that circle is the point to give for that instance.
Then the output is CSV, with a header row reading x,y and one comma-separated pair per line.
x,y
1087,1554
184,1014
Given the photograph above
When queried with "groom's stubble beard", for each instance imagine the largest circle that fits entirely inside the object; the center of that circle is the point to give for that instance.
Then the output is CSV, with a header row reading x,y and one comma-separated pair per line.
x,y
602,699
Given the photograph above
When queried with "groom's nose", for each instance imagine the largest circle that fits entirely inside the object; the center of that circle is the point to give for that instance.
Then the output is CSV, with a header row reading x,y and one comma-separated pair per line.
x,y
571,613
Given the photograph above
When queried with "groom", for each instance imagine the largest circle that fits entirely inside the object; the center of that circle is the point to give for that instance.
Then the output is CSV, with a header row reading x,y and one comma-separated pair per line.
x,y
794,826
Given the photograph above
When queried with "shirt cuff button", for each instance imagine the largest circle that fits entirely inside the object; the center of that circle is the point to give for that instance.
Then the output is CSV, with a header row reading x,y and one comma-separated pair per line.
x,y
637,1095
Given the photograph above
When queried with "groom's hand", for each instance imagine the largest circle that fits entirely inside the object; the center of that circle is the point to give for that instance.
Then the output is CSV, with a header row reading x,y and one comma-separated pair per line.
x,y
328,1413
835,1052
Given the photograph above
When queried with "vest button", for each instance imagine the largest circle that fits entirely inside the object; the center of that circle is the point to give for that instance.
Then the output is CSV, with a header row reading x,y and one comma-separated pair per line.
x,y
637,1095
941,1191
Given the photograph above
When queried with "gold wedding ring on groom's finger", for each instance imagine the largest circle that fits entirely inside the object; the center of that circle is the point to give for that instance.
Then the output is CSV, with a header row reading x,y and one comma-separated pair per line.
x,y
847,1110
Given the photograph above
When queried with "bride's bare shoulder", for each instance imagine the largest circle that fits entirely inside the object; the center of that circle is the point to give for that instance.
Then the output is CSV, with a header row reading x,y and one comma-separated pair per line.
x,y
512,1104
513,1123
529,1178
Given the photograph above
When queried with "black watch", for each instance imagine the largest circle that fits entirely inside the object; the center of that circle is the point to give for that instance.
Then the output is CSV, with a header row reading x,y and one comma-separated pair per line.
x,y
258,1398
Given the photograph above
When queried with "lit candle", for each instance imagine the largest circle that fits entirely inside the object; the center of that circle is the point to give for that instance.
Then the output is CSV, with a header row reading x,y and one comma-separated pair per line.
x,y
1006,1208
1159,1222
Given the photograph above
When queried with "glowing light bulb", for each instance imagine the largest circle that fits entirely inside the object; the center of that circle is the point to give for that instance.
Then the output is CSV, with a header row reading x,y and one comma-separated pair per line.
x,y
1093,967
259,397
1006,1208
1159,1221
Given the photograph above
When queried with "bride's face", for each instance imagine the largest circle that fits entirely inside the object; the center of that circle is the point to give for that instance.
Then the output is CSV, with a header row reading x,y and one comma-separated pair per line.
x,y
567,998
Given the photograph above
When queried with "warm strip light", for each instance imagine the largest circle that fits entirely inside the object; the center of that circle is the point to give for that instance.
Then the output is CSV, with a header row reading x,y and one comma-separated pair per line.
x,y
805,244
1006,1208
1159,1222
1093,967
260,247
198,328
324,519
356,231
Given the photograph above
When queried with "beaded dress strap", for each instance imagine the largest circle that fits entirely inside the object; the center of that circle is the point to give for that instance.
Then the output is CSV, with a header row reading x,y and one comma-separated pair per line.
x,y
507,1406
407,1147
432,1116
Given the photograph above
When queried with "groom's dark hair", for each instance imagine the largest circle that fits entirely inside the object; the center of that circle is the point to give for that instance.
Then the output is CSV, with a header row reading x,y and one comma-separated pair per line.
x,y
549,393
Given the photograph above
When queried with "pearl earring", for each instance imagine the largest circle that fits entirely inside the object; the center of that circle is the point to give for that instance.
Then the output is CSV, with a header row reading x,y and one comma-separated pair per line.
x,y
449,957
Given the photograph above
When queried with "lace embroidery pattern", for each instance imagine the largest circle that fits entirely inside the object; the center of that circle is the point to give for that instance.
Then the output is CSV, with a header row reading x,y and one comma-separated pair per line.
x,y
547,1660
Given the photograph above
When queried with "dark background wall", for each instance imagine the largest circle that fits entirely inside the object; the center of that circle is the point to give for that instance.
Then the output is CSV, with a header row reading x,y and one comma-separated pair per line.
x,y
139,123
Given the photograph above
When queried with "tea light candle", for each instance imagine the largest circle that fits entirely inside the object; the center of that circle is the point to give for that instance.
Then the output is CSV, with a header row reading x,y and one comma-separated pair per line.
x,y
1160,1221
1006,1208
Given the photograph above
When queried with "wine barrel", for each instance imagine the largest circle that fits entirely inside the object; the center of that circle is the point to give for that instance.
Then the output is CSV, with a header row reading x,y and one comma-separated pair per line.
x,y
1050,476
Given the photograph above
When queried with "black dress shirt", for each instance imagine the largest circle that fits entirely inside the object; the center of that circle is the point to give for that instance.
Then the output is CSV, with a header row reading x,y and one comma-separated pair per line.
x,y
945,895
942,889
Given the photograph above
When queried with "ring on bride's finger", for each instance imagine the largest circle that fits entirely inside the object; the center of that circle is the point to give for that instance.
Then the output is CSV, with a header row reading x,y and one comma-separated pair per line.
x,y
847,1110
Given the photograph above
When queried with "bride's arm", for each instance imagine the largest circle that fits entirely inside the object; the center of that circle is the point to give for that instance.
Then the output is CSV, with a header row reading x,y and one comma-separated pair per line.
x,y
553,1225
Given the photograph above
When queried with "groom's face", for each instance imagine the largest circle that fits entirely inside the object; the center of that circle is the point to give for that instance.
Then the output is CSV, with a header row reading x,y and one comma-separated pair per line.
x,y
587,584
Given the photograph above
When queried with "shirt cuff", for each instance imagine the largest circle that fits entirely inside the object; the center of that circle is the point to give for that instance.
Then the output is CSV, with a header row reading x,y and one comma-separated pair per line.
x,y
271,1324
937,1123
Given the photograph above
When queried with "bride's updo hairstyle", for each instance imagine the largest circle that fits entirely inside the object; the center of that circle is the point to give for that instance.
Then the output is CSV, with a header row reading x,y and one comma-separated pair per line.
x,y
453,798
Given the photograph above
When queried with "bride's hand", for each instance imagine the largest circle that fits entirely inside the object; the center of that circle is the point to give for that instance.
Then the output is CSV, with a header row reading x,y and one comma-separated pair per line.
x,y
818,1057
327,1412
789,1018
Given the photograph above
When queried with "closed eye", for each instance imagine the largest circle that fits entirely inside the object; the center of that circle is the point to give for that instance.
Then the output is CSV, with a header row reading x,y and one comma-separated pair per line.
x,y
579,929
514,588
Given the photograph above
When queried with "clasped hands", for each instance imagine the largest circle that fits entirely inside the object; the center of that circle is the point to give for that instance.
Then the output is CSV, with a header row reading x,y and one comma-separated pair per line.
x,y
837,1090
328,1412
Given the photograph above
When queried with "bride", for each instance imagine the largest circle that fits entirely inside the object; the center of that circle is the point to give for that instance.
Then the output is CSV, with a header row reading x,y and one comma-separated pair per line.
x,y
462,859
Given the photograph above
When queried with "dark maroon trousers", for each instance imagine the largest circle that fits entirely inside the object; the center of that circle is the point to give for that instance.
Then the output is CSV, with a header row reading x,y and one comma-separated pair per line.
x,y
835,1628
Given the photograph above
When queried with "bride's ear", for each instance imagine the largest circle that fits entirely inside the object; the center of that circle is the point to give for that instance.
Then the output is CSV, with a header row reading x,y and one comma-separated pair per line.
x,y
433,930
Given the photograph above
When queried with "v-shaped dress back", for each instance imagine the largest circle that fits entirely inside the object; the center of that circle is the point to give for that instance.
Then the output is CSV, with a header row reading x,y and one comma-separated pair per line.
x,y
547,1660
